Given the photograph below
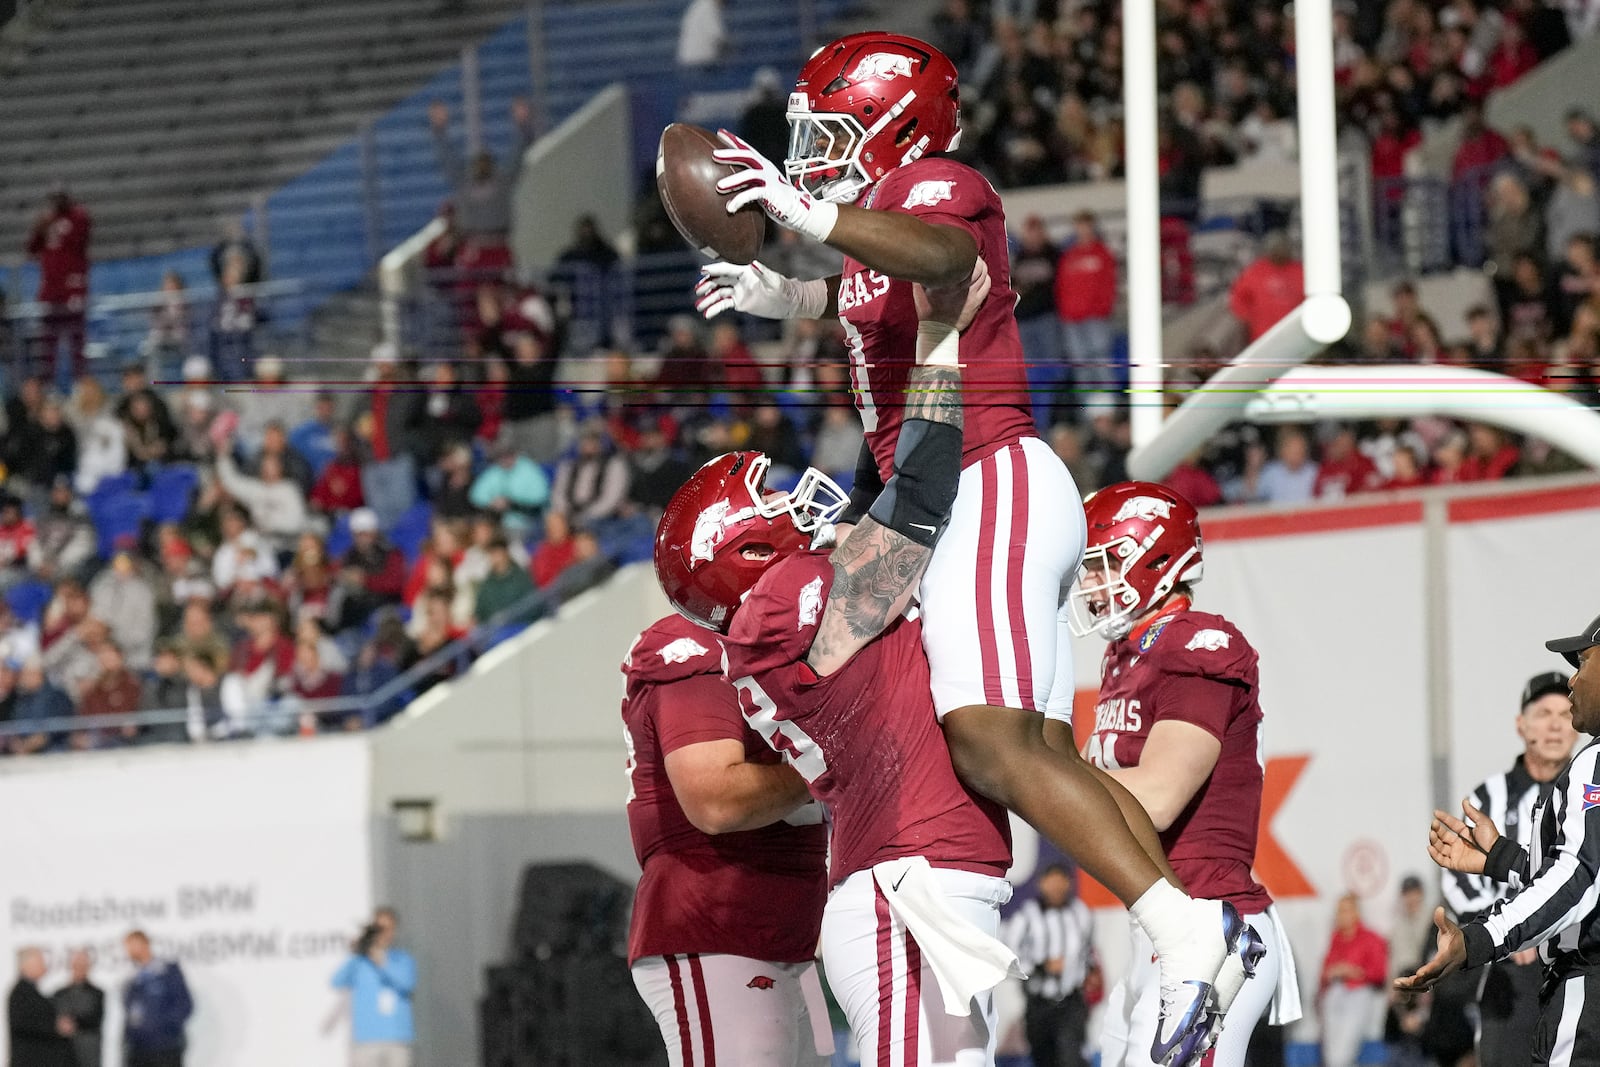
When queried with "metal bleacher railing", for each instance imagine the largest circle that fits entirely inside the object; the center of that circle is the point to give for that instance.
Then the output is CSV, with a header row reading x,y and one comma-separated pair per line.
x,y
285,715
159,329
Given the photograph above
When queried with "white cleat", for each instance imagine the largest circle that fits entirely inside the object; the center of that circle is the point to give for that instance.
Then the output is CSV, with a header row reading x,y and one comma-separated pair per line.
x,y
1188,1025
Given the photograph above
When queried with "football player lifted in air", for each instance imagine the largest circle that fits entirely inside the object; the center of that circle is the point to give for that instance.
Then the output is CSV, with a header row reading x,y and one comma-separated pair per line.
x,y
826,655
869,116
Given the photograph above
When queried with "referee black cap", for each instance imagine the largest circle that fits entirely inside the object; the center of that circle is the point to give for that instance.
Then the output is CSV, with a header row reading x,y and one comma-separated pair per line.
x,y
1569,647
1542,685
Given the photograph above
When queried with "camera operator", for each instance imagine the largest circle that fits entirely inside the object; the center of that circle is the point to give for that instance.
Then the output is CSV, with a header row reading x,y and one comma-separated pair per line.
x,y
381,979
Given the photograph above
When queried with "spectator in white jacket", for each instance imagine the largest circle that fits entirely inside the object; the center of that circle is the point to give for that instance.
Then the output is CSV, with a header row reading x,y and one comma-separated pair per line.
x,y
102,444
275,502
238,541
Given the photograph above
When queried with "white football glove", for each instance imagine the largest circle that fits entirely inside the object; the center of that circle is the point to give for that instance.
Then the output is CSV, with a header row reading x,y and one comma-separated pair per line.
x,y
762,181
757,290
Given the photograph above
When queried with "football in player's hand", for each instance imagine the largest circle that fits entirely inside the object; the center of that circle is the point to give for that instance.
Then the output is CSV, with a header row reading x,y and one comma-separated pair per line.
x,y
687,177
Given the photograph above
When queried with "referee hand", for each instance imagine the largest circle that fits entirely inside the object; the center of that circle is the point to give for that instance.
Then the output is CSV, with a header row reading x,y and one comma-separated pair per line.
x,y
1450,957
1462,846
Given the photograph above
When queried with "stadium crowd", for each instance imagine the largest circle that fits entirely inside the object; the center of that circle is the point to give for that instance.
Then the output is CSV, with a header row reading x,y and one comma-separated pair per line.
x,y
221,550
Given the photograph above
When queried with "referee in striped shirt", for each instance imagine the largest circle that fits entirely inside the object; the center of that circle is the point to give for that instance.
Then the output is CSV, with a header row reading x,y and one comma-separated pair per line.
x,y
1508,991
1554,902
1051,937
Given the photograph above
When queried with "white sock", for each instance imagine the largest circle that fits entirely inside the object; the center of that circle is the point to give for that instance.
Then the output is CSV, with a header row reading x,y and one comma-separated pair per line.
x,y
1165,912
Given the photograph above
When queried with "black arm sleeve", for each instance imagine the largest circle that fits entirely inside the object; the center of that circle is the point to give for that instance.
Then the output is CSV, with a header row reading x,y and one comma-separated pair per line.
x,y
868,485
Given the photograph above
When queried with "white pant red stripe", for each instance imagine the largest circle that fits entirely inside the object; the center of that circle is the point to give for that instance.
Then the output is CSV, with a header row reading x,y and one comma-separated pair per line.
x,y
884,983
992,593
741,1011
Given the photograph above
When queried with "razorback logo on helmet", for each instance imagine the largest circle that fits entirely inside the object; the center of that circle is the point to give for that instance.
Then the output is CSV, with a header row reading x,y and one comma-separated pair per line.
x,y
1208,640
760,981
882,65
682,650
1148,508
708,530
927,194
810,602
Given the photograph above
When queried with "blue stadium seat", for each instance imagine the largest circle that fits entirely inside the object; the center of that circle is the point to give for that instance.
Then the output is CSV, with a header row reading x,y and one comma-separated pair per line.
x,y
28,599
117,516
411,529
339,536
171,493
114,485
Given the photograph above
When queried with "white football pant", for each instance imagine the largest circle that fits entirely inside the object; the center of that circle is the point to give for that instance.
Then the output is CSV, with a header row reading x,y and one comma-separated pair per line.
x,y
992,594
888,990
731,1010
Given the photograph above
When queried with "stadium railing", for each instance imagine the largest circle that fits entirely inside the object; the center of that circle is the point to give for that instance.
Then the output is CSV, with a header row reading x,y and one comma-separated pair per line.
x,y
1427,224
119,330
279,716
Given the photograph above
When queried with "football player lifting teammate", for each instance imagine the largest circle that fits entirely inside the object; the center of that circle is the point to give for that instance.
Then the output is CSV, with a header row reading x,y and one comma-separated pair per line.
x,y
828,662
1178,722
870,115
718,823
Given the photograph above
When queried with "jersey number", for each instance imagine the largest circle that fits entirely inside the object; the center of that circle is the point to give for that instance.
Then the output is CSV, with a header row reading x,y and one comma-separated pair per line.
x,y
860,378
799,750
1102,751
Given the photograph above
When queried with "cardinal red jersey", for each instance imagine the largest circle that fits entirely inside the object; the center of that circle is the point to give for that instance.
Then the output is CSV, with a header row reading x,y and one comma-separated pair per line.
x,y
757,893
1197,668
880,320
864,737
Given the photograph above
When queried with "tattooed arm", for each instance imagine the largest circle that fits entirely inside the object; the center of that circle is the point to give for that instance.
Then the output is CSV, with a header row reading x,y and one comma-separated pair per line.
x,y
876,570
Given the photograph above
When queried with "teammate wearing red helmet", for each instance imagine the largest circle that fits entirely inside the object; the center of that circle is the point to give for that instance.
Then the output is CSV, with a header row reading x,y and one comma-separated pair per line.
x,y
829,666
870,115
717,821
1178,723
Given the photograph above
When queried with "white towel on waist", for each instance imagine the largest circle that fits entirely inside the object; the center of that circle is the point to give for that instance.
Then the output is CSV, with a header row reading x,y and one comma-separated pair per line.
x,y
1285,1007
966,960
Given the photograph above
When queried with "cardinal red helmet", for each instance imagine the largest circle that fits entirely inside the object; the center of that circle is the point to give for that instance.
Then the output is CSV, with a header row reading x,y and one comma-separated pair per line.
x,y
723,528
864,105
1143,540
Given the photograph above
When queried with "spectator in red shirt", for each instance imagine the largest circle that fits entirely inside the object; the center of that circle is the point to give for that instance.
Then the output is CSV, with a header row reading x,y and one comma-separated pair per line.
x,y
59,241
555,553
1490,454
16,538
1408,472
1269,288
1474,166
1194,483
1344,470
1513,57
338,487
1086,297
739,372
309,680
1351,992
